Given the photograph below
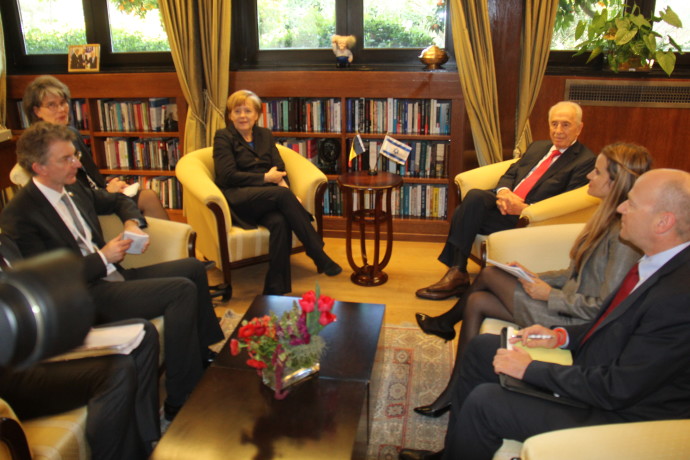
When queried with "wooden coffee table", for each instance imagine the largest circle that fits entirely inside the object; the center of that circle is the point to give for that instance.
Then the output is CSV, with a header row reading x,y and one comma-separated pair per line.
x,y
231,414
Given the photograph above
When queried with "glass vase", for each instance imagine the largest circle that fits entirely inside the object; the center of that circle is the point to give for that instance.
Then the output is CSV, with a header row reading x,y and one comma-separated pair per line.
x,y
289,378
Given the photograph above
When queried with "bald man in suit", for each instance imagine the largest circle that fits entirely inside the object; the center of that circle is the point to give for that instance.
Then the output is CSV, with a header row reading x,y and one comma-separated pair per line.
x,y
632,363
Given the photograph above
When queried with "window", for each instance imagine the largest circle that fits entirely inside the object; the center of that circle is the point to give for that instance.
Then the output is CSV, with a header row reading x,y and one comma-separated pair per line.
x,y
38,32
298,32
570,12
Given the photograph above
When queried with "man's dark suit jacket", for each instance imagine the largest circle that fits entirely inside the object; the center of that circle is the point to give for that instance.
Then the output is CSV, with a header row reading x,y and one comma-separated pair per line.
x,y
32,222
637,362
568,173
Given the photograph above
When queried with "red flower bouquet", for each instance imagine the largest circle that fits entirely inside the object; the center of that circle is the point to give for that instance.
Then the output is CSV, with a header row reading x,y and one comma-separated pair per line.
x,y
284,350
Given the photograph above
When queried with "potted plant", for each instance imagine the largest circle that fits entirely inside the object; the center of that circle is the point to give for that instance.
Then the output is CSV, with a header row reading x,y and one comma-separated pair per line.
x,y
627,39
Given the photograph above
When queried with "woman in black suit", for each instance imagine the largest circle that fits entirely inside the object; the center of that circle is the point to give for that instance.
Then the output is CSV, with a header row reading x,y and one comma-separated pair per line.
x,y
251,174
48,99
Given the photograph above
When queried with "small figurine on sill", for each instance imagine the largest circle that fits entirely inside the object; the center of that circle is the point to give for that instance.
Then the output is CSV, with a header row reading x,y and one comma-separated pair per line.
x,y
341,49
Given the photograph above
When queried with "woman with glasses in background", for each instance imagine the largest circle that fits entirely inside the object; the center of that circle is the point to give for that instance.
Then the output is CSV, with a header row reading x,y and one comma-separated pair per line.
x,y
48,99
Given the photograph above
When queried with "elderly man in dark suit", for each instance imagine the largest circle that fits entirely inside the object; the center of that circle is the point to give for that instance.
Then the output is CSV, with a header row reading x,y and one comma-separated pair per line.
x,y
55,211
548,168
632,363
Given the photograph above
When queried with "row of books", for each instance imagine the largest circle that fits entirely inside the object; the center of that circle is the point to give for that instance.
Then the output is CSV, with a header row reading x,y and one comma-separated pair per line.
x,y
406,116
150,153
155,114
302,114
167,187
426,159
324,153
421,201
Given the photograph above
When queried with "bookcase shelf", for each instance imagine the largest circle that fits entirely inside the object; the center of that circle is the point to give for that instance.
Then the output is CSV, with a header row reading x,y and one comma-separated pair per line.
x,y
89,91
377,90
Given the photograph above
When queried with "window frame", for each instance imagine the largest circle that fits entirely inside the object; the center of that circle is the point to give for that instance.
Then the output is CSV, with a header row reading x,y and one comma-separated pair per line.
x,y
97,28
563,62
245,53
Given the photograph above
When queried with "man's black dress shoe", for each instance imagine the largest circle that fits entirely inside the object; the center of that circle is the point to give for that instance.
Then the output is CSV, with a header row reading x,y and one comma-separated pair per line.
x,y
429,325
412,454
330,268
431,411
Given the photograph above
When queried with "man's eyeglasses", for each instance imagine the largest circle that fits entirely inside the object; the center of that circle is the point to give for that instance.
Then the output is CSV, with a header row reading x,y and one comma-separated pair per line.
x,y
71,159
55,106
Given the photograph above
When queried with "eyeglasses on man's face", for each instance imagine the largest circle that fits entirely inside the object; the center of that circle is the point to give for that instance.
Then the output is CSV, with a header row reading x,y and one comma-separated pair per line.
x,y
71,159
55,106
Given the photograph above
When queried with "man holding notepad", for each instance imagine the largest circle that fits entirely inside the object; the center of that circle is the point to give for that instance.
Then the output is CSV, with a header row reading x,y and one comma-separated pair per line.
x,y
55,211
632,363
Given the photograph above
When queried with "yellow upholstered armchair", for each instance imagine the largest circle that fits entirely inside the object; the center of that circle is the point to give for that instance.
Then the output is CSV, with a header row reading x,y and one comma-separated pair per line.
x,y
570,207
207,210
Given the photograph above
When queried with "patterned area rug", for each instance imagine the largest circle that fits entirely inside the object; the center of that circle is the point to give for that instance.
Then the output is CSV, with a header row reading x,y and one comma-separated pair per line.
x,y
411,369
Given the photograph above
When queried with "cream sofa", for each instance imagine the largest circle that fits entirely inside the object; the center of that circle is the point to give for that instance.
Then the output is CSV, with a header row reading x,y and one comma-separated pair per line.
x,y
61,437
667,439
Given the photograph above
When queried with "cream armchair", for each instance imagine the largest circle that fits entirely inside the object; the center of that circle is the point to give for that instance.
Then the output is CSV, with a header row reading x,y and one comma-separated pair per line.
x,y
569,207
61,436
207,210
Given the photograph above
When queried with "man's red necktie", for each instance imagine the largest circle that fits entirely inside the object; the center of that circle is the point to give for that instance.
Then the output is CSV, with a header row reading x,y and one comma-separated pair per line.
x,y
526,185
629,282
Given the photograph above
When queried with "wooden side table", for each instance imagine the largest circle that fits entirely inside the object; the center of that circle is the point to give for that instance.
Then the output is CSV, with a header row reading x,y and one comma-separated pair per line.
x,y
381,185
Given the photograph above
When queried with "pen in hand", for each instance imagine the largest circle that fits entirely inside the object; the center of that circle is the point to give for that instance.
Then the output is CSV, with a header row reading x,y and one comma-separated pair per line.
x,y
534,336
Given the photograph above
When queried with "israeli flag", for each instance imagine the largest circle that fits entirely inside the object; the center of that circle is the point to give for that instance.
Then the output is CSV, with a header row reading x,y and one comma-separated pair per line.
x,y
395,150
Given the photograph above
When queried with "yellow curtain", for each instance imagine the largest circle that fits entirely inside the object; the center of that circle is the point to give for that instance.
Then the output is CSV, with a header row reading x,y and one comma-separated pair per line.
x,y
214,20
3,78
182,26
475,58
540,16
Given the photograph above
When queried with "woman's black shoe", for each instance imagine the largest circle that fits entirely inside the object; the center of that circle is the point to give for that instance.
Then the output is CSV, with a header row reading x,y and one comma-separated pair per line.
x,y
431,411
429,325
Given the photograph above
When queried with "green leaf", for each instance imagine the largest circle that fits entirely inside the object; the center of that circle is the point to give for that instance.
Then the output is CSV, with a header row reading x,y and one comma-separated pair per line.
x,y
623,36
640,21
595,52
670,17
675,45
650,42
580,29
666,60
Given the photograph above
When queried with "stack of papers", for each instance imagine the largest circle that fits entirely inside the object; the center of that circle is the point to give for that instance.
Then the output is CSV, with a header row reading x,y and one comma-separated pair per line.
x,y
108,340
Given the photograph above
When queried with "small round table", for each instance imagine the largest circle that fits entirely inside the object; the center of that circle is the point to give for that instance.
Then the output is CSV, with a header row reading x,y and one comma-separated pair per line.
x,y
380,184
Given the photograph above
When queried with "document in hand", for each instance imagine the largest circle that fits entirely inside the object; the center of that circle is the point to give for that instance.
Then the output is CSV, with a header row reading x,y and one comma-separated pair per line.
x,y
138,242
106,340
515,271
517,385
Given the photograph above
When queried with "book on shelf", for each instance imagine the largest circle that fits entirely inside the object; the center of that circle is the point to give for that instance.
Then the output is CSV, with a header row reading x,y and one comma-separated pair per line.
x,y
319,115
405,116
106,340
417,201
152,115
137,153
428,159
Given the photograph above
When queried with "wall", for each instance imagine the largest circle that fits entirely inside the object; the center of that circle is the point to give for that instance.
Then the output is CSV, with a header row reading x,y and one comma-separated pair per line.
x,y
665,132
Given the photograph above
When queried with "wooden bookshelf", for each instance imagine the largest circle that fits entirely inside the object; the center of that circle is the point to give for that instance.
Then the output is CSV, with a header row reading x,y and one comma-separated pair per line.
x,y
345,85
120,86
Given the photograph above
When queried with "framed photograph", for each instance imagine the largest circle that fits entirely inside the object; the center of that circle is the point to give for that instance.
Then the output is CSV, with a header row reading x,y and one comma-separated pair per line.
x,y
84,58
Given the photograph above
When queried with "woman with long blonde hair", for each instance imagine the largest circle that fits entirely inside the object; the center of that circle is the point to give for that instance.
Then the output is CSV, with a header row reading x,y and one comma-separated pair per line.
x,y
599,262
